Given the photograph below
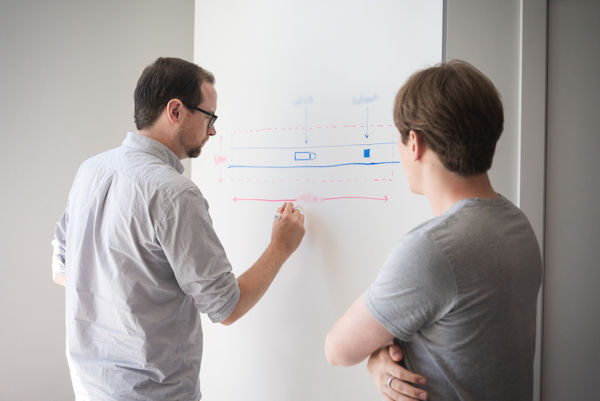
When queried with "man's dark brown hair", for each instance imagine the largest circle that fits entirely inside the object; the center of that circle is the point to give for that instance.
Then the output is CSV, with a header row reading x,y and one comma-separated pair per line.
x,y
458,113
163,80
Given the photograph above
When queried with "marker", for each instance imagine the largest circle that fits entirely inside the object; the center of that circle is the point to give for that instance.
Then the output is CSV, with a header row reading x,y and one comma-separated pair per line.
x,y
277,216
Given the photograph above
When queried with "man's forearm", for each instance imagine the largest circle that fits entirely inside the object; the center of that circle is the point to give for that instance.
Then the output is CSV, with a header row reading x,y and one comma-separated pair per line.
x,y
256,280
355,336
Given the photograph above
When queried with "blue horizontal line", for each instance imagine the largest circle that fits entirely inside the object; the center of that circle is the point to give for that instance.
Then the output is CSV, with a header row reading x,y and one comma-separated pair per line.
x,y
313,147
322,166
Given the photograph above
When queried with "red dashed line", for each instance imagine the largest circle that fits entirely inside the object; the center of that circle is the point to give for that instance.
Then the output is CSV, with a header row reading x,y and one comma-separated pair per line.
x,y
272,129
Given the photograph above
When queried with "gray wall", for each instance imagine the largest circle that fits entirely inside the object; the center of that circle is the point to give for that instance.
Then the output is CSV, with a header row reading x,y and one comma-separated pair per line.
x,y
67,73
506,40
486,34
571,343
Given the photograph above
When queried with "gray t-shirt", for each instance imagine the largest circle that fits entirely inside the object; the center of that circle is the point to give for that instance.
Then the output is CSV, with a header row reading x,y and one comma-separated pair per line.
x,y
459,292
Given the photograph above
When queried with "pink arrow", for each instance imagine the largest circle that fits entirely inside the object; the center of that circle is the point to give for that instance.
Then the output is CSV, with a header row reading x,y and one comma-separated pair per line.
x,y
236,199
385,199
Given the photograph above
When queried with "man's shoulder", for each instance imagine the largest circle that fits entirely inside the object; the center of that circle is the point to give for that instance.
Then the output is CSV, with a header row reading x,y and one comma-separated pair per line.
x,y
469,223
174,184
99,158
142,170
483,231
471,215
94,168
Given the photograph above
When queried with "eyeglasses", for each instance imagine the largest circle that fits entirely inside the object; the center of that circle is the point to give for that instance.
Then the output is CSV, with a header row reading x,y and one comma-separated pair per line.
x,y
213,116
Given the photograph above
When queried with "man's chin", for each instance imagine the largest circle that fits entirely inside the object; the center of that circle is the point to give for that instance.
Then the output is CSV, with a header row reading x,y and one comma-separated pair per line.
x,y
193,153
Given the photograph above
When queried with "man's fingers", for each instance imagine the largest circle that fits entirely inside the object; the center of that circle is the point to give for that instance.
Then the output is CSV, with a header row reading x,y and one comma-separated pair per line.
x,y
387,397
406,375
395,352
394,395
288,208
408,390
393,380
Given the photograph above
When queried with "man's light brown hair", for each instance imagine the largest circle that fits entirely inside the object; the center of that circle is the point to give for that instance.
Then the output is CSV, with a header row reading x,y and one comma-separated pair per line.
x,y
458,113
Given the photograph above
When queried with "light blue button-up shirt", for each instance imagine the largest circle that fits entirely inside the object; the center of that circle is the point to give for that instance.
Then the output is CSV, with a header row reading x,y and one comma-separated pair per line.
x,y
142,261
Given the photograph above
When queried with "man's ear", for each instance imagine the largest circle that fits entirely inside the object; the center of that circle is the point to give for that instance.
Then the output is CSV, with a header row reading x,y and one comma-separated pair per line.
x,y
174,108
416,145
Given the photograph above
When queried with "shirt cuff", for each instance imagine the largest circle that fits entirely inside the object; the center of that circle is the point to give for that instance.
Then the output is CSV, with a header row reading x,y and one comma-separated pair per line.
x,y
228,307
58,258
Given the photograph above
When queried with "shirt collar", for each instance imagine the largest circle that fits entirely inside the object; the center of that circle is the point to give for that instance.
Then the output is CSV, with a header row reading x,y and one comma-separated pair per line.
x,y
149,145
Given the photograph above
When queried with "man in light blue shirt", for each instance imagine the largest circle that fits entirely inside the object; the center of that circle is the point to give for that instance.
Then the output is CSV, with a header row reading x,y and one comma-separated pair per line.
x,y
138,256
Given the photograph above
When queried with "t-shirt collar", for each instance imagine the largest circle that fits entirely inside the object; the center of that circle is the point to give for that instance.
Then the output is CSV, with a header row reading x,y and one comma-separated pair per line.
x,y
149,145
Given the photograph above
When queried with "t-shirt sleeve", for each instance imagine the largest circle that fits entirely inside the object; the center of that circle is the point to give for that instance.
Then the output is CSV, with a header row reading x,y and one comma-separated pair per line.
x,y
197,257
414,288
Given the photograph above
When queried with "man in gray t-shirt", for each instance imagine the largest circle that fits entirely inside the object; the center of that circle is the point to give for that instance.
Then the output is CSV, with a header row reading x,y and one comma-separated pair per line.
x,y
467,285
458,293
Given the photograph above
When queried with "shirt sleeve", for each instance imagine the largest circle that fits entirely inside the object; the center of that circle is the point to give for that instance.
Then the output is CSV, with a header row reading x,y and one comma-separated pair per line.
x,y
414,288
59,245
197,257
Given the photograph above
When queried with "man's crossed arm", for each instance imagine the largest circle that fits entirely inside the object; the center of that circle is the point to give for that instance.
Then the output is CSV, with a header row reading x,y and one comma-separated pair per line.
x,y
358,335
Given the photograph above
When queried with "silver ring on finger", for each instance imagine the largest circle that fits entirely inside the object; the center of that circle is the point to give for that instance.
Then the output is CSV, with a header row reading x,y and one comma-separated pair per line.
x,y
389,381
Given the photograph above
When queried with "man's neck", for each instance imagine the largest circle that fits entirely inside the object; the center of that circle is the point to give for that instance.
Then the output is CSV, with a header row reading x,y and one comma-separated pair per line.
x,y
159,135
447,188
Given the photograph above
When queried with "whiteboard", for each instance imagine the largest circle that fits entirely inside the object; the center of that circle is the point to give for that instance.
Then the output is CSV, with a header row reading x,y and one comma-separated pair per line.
x,y
305,97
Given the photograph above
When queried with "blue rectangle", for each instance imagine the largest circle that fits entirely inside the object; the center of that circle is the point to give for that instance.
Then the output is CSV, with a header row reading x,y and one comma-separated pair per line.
x,y
367,153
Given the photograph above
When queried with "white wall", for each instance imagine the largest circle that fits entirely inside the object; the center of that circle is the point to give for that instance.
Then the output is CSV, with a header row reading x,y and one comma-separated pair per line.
x,y
571,346
309,73
67,73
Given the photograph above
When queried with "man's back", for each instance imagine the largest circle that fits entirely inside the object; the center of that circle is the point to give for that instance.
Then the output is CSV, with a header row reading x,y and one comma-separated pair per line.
x,y
134,289
138,255
460,293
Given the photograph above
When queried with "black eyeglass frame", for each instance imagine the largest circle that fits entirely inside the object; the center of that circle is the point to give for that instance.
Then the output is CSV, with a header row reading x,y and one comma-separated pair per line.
x,y
213,116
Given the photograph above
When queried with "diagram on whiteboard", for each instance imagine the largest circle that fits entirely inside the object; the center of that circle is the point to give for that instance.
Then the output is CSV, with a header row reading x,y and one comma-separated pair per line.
x,y
319,155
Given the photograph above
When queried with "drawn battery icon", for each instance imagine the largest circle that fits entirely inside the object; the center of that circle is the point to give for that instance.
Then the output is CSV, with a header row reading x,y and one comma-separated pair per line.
x,y
305,155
